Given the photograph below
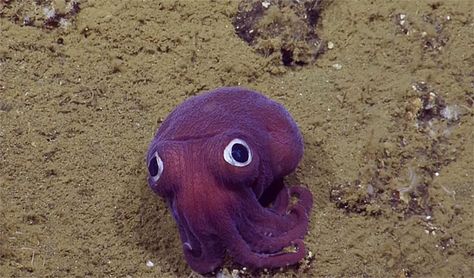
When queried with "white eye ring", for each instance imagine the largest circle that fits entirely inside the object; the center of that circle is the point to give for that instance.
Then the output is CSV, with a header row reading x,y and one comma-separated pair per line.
x,y
155,167
233,153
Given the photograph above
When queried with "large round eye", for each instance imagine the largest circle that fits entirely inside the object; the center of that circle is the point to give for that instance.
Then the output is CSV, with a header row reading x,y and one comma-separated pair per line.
x,y
155,167
237,153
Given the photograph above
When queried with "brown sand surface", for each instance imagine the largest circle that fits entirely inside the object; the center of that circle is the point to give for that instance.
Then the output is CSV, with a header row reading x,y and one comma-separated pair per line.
x,y
385,111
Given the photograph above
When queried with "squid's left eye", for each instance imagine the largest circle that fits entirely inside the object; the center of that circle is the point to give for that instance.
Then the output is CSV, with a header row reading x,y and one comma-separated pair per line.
x,y
155,167
237,153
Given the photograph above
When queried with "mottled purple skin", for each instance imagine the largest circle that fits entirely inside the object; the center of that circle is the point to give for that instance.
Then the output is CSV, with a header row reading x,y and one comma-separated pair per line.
x,y
219,207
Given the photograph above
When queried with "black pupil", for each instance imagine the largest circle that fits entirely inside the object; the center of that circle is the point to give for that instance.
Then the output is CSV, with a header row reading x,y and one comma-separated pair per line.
x,y
153,167
240,153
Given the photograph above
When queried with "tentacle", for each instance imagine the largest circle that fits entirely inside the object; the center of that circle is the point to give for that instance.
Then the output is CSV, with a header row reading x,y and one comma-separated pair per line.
x,y
204,253
272,229
262,239
270,220
243,254
277,196
211,254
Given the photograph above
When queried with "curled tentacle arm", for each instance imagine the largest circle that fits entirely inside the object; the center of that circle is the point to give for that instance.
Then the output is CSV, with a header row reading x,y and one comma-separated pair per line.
x,y
204,253
211,254
279,219
262,239
243,254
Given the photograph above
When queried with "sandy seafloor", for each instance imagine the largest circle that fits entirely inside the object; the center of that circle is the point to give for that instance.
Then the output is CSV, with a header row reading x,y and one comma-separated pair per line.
x,y
392,177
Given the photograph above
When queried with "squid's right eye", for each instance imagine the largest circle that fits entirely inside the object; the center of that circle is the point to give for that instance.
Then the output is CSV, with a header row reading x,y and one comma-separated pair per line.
x,y
237,153
155,167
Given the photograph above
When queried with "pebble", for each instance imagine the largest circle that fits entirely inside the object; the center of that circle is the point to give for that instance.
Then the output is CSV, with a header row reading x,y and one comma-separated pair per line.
x,y
330,45
150,263
266,4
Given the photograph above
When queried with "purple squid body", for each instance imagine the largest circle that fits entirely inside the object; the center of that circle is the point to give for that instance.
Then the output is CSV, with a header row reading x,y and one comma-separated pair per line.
x,y
219,160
